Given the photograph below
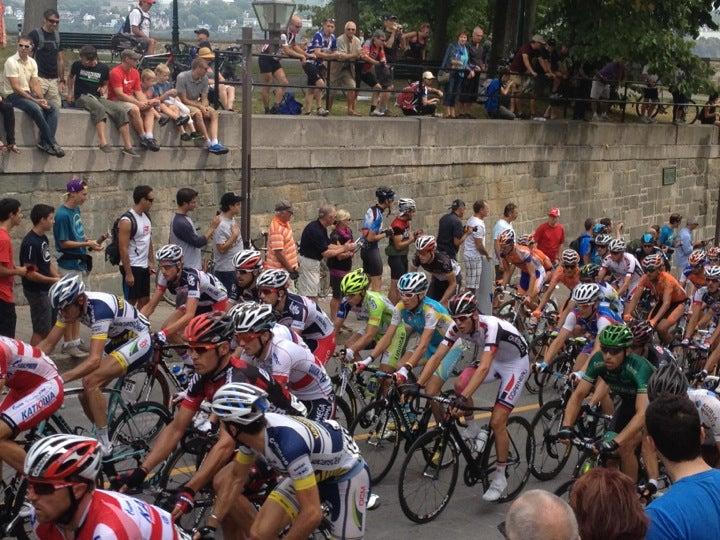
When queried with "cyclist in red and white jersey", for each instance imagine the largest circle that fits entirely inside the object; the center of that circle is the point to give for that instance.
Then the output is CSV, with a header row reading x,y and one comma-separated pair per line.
x,y
61,473
624,268
35,393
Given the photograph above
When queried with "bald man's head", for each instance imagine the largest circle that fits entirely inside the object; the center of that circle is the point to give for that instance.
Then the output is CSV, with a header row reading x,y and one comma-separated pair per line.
x,y
540,515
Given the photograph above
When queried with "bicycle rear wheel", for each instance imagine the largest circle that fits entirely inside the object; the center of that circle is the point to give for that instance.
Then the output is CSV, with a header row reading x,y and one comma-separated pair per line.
x,y
376,432
520,457
550,456
143,385
428,476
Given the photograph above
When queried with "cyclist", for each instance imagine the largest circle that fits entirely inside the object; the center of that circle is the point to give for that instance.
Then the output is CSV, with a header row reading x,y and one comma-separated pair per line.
x,y
601,242
608,295
642,344
568,274
713,255
627,376
248,263
319,460
532,272
119,341
35,392
705,305
623,268
669,295
299,313
445,271
399,245
378,311
648,246
528,241
61,473
694,271
504,357
372,232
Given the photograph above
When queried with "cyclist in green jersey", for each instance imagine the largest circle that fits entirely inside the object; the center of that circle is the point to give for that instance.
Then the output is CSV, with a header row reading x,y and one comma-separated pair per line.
x,y
378,310
627,376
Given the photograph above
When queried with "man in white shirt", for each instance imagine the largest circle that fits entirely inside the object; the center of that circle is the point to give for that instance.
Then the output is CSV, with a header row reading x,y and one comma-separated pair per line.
x,y
510,214
477,258
137,256
226,239
139,22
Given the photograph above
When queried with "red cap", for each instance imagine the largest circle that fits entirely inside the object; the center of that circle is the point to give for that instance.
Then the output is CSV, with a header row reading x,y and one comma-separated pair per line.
x,y
554,212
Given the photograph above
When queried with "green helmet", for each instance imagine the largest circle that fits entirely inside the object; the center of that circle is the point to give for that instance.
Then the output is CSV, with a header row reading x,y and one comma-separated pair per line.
x,y
354,282
616,335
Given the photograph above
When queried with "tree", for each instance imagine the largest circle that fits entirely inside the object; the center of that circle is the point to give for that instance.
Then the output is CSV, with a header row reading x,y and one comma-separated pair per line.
x,y
346,10
34,10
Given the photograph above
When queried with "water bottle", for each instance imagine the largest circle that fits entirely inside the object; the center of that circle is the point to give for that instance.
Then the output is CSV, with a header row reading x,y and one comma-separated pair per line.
x,y
481,439
372,386
179,373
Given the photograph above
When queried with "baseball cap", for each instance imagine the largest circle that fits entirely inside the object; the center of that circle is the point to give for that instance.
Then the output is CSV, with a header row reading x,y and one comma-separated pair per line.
x,y
457,203
283,205
206,53
538,38
129,53
428,75
203,31
391,17
150,1
76,185
554,212
230,199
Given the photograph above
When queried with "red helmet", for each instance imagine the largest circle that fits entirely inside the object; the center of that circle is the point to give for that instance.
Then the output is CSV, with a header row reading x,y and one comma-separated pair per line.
x,y
213,328
697,257
64,457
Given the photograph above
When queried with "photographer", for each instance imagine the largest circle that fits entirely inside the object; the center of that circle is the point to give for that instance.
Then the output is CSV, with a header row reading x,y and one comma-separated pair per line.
x,y
451,232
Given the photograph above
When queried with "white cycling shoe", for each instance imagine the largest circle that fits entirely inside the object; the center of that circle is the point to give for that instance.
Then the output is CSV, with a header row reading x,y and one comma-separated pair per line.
x,y
498,484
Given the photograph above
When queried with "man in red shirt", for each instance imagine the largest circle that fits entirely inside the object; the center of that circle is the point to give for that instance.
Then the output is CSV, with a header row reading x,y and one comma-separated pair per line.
x,y
124,87
10,217
550,235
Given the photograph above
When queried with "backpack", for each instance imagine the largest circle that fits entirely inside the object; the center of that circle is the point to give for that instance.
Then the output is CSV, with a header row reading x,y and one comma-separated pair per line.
x,y
575,244
112,251
289,105
406,98
41,39
126,29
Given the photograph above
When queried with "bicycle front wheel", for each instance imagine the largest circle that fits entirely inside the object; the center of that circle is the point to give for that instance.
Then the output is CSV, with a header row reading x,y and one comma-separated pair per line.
x,y
550,455
134,430
520,456
376,430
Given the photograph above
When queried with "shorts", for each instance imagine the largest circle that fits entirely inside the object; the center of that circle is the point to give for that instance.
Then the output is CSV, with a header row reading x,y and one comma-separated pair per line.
x,y
623,413
319,409
372,262
101,109
141,287
322,348
124,106
398,265
450,362
385,75
41,313
50,91
512,377
314,72
220,305
342,78
268,64
22,411
438,287
335,286
599,90
673,314
131,353
8,319
473,270
368,77
308,282
524,282
346,497
651,94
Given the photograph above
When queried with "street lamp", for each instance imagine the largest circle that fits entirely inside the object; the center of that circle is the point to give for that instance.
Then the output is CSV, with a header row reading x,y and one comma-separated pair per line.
x,y
272,16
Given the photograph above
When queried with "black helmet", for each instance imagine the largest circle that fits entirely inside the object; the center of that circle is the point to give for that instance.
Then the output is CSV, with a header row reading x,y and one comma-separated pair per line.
x,y
462,304
667,379
384,193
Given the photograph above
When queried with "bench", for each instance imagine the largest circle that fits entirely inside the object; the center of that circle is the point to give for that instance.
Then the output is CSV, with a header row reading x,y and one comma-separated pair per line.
x,y
75,40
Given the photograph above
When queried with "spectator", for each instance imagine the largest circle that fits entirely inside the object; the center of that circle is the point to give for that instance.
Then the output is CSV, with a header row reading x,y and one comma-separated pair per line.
x,y
684,243
651,96
496,92
164,89
604,492
612,74
126,91
8,114
341,264
455,63
137,25
475,253
223,93
226,240
192,88
167,108
451,232
202,38
510,214
49,58
315,246
475,71
375,73
87,88
21,89
183,232
137,257
550,236
35,254
558,72
10,217
522,66
540,515
321,48
690,509
708,114
585,242
399,245
282,249
415,44
269,62
373,232
349,50
668,232
414,100
393,45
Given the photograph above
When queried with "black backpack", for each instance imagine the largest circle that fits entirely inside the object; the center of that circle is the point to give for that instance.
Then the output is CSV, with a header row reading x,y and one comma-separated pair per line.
x,y
112,251
126,25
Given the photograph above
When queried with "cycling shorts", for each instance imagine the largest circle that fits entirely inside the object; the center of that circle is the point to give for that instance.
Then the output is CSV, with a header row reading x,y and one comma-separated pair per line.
x,y
623,413
512,377
319,409
22,411
398,265
132,353
221,305
673,314
449,363
322,348
524,282
372,262
346,497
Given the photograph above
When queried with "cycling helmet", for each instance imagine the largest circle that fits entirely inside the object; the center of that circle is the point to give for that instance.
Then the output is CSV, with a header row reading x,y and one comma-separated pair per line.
x,y
713,254
525,240
641,330
599,228
413,283
617,246
66,291
354,282
712,272
426,242
64,457
712,383
602,240
170,253
384,194
616,335
241,403
462,304
667,379
589,271
570,257
697,257
652,262
214,327
506,238
586,293
248,260
647,239
406,205
273,278
254,317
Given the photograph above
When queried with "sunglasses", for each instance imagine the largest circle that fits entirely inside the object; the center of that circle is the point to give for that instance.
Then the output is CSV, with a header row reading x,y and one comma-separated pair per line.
x,y
53,21
461,318
407,295
202,349
21,46
47,488
266,290
610,350
246,338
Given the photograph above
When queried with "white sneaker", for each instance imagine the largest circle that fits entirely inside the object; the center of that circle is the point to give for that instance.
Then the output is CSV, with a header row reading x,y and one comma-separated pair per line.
x,y
498,484
595,117
373,501
604,116
377,112
73,350
322,112
106,449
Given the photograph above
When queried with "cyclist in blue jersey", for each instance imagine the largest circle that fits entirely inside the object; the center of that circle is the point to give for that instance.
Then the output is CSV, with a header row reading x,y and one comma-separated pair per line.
x,y
372,232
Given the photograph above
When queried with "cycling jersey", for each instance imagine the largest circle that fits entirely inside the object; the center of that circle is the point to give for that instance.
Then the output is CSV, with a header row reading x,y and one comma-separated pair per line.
x,y
23,366
520,256
570,280
594,324
627,266
609,297
191,283
707,299
708,406
239,294
113,516
373,222
400,227
630,379
305,317
375,308
439,267
658,287
697,279
544,259
429,314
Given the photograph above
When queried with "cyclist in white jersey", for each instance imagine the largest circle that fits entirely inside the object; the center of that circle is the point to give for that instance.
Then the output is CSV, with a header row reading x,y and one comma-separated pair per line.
x,y
624,268
705,305
119,341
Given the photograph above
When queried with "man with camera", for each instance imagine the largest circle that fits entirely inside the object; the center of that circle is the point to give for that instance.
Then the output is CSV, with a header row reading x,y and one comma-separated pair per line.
x,y
451,232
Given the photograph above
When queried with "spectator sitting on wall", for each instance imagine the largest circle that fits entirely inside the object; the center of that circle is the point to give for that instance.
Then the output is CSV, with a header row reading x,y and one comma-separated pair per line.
x,y
414,100
708,114
374,62
164,89
225,93
321,48
495,92
522,65
475,71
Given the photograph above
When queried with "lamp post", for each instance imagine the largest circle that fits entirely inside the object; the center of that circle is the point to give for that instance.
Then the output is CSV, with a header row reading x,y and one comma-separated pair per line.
x,y
272,16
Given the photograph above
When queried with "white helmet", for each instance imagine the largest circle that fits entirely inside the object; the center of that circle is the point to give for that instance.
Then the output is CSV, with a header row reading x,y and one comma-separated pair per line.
x,y
426,242
570,257
712,272
506,238
66,291
602,240
273,278
169,252
413,283
406,205
248,260
64,457
617,246
241,403
253,317
586,293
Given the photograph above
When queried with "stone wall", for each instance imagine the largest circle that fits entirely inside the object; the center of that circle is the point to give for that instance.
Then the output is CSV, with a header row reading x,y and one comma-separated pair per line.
x,y
586,169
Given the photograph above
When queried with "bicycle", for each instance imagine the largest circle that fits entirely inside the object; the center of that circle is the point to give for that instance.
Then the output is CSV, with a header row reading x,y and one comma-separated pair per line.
x,y
691,357
352,392
436,454
155,380
551,381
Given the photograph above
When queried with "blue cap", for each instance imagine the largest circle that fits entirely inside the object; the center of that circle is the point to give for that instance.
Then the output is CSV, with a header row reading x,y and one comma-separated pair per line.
x,y
598,228
647,238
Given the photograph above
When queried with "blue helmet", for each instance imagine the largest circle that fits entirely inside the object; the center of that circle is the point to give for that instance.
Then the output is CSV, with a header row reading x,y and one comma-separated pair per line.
x,y
413,283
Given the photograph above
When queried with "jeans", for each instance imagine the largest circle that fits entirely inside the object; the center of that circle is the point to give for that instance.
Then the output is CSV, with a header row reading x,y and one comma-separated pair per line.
x,y
8,115
45,119
452,88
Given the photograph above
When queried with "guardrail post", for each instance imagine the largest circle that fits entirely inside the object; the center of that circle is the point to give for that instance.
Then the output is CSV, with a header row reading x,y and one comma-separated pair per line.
x,y
622,116
327,87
